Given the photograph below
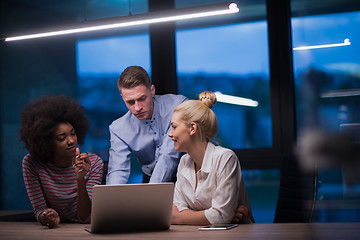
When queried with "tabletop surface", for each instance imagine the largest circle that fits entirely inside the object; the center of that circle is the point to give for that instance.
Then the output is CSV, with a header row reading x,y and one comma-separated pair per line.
x,y
276,231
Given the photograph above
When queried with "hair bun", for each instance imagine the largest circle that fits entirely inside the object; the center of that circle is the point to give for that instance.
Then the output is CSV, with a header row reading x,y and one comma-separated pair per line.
x,y
207,98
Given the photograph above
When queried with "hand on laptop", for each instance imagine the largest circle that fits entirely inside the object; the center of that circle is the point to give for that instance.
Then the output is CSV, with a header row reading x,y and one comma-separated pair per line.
x,y
81,164
49,217
241,213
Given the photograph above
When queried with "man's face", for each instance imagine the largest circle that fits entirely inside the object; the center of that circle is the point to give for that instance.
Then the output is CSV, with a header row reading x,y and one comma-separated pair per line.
x,y
139,101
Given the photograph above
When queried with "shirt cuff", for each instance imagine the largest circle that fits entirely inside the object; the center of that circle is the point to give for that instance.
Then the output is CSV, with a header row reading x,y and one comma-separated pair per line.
x,y
213,216
181,208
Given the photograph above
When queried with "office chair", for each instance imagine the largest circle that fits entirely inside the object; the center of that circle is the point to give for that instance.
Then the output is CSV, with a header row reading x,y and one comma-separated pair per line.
x,y
297,192
105,171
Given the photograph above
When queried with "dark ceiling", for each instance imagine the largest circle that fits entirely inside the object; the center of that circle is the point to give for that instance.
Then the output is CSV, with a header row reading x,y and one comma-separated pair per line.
x,y
19,15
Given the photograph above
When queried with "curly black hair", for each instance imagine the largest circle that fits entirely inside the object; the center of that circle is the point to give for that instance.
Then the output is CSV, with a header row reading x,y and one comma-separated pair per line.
x,y
40,119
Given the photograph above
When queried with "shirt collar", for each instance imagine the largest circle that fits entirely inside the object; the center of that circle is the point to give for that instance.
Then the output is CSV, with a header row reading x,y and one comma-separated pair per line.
x,y
189,171
207,161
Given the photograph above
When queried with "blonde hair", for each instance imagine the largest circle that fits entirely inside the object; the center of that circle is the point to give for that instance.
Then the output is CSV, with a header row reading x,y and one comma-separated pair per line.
x,y
199,111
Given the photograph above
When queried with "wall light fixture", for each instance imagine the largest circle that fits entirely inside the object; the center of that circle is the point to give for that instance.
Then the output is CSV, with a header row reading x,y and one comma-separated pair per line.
x,y
235,100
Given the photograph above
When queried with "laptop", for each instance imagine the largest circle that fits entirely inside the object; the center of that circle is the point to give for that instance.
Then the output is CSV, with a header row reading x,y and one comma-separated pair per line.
x,y
131,207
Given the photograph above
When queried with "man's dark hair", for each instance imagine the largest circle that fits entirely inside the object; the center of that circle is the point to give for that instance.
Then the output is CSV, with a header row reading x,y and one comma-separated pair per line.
x,y
134,76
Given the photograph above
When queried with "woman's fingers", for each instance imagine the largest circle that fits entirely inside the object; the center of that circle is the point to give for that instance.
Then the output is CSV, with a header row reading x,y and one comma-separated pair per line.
x,y
50,218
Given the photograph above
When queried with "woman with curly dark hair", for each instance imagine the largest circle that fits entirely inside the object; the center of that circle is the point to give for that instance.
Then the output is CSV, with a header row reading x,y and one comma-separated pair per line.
x,y
58,178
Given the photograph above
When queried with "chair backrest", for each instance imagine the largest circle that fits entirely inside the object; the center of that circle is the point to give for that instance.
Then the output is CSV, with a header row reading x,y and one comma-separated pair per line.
x,y
105,171
297,192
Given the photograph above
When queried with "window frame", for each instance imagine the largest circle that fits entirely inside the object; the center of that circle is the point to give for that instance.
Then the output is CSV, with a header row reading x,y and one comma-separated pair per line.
x,y
281,95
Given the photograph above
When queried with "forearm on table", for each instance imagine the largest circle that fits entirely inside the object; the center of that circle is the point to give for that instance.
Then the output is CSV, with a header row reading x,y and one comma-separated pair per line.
x,y
191,217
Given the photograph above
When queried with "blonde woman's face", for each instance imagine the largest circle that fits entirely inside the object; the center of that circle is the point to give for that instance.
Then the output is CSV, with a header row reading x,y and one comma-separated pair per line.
x,y
180,133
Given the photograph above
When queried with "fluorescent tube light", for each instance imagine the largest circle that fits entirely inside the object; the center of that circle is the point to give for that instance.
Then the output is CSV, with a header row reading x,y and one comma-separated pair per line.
x,y
134,20
345,43
235,100
341,93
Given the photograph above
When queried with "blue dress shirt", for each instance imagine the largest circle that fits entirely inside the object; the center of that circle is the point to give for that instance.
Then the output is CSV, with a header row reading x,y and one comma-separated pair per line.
x,y
148,140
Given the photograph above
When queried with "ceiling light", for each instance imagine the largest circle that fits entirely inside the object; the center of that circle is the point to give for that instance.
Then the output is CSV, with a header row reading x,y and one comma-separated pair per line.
x,y
133,20
345,43
235,100
341,93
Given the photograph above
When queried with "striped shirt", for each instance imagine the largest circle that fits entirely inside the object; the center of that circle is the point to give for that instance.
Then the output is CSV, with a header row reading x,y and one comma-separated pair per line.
x,y
51,187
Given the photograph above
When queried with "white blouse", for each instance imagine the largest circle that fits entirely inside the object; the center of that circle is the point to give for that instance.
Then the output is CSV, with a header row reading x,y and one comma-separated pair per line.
x,y
220,189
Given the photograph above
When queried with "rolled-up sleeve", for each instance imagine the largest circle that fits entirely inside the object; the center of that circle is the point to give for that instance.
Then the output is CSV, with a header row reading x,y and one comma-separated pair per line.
x,y
181,190
225,199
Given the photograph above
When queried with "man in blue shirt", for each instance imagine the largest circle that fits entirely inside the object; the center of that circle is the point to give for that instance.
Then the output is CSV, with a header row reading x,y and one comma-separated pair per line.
x,y
143,131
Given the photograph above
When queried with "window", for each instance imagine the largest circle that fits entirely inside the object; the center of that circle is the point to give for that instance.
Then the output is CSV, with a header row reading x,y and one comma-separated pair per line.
x,y
327,79
233,60
327,84
99,65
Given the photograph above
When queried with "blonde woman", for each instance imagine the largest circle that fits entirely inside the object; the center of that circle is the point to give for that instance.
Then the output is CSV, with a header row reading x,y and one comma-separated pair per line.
x,y
209,183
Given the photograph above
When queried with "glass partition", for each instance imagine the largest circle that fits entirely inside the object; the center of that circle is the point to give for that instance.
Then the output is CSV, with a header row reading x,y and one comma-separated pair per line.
x,y
327,84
